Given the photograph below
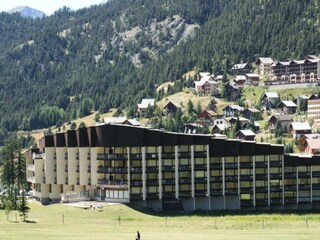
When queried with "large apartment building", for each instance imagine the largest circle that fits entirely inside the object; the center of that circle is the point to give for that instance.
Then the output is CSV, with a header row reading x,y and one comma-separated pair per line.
x,y
164,170
297,71
314,111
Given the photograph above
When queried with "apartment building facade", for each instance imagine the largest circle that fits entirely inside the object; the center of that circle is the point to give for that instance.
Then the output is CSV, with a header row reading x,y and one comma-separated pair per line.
x,y
297,71
313,111
158,169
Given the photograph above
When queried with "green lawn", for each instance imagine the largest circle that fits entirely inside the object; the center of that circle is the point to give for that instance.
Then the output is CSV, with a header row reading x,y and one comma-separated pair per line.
x,y
46,223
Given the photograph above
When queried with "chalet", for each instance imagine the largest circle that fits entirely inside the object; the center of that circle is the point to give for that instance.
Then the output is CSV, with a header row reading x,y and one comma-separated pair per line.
x,y
219,128
269,100
251,113
284,119
302,141
121,120
287,107
206,86
144,105
244,122
232,110
246,135
264,66
240,69
240,80
218,78
192,128
252,79
312,147
220,120
171,107
203,74
207,117
256,126
298,129
233,91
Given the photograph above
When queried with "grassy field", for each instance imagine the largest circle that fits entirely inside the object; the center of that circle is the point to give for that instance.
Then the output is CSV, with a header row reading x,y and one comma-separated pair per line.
x,y
46,222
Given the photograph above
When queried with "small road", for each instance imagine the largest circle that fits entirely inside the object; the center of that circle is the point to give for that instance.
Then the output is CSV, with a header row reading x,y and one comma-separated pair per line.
x,y
294,85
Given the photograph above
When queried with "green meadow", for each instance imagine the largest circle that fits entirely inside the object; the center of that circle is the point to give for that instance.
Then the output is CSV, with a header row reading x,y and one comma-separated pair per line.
x,y
121,222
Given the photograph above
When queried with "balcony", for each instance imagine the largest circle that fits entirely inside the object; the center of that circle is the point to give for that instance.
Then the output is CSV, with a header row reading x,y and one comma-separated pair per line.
x,y
31,167
38,156
246,190
275,164
290,175
168,181
32,179
290,188
152,195
200,180
136,196
304,175
276,176
246,177
200,167
231,166
276,201
112,170
261,176
168,155
184,155
233,191
200,192
168,168
275,188
216,179
216,166
152,156
261,202
184,193
152,169
101,156
168,194
246,165
316,186
136,183
184,167
246,203
290,200
316,174
217,192
184,180
200,154
261,164
136,156
115,184
152,182
136,170
304,187
262,189
231,178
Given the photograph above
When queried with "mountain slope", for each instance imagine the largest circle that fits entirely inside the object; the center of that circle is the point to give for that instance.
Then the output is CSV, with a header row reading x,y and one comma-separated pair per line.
x,y
61,67
26,11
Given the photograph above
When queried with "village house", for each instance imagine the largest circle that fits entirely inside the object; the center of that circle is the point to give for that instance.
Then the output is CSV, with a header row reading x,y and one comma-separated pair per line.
x,y
302,141
240,80
219,128
298,129
207,117
246,135
284,119
269,100
232,110
121,120
244,122
287,107
144,105
264,66
171,108
220,120
312,147
240,69
252,79
233,91
250,113
206,86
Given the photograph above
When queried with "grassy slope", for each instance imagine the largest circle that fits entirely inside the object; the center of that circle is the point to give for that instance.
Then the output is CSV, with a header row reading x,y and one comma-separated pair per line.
x,y
95,224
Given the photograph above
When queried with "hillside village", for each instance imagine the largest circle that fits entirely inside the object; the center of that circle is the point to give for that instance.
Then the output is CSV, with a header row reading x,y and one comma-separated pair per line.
x,y
220,104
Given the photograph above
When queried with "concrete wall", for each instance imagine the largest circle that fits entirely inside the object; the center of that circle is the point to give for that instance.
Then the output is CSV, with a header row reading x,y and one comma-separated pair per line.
x,y
49,164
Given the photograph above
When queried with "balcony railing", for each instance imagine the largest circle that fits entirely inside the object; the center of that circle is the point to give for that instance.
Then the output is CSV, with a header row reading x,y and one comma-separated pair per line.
x,y
152,169
31,167
32,179
216,166
216,192
38,156
112,170
168,155
184,167
152,182
184,180
233,191
200,154
168,168
200,180
184,193
112,184
200,192
200,167
101,156
168,181
184,155
152,195
151,156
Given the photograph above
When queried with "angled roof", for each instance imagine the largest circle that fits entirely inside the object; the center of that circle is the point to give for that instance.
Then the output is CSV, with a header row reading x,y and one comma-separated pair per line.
x,y
114,120
145,103
252,75
282,117
235,107
313,143
239,66
300,126
288,103
233,85
203,74
271,95
240,78
173,103
133,122
247,133
221,127
253,110
265,60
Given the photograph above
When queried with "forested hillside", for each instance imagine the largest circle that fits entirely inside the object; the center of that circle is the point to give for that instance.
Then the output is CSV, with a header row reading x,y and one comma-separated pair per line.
x,y
60,67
